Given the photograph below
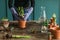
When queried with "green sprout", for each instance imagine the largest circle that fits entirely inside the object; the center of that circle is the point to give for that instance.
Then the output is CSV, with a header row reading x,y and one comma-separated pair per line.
x,y
20,11
21,36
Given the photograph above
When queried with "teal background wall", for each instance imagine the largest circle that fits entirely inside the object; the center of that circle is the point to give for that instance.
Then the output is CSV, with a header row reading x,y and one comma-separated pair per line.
x,y
9,14
4,10
52,6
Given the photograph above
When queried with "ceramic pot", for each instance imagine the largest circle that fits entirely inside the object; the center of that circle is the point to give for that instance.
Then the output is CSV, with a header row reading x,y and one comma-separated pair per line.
x,y
57,33
5,23
22,24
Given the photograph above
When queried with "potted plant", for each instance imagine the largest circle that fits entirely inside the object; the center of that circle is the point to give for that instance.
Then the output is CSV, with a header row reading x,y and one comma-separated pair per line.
x,y
22,22
54,27
5,22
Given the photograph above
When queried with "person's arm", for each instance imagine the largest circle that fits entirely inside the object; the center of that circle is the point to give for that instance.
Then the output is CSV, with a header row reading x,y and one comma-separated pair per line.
x,y
14,11
28,13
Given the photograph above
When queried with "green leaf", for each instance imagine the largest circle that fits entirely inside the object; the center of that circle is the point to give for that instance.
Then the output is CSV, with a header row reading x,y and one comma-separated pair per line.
x,y
21,11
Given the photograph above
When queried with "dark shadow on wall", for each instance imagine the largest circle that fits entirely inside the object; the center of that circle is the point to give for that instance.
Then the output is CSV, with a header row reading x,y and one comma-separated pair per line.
x,y
17,3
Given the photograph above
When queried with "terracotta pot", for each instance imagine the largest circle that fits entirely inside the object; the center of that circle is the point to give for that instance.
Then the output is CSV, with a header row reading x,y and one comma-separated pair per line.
x,y
57,34
22,24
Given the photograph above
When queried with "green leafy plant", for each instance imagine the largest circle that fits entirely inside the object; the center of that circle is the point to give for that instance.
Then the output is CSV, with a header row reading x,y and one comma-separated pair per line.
x,y
45,23
20,11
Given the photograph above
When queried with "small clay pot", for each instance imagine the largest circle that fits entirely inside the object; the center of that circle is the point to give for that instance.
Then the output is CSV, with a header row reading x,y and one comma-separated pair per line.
x,y
5,23
22,24
57,33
